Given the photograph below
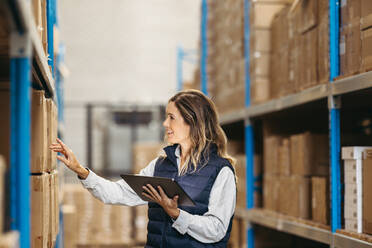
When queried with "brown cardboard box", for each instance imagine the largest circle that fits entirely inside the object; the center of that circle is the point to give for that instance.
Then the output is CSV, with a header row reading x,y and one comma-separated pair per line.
x,y
366,14
5,125
70,230
309,154
260,40
53,207
280,30
2,187
310,59
44,34
260,64
308,15
350,49
52,124
37,14
121,224
367,193
240,172
38,132
40,200
286,191
271,192
235,147
9,240
367,50
271,149
140,223
261,14
260,90
350,11
284,159
144,153
320,200
323,46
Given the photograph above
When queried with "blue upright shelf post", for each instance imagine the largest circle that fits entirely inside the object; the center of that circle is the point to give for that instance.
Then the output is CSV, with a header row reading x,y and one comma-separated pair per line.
x,y
204,48
334,115
249,139
180,56
20,73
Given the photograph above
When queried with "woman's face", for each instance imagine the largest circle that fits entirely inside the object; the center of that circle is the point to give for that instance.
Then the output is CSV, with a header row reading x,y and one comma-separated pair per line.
x,y
176,130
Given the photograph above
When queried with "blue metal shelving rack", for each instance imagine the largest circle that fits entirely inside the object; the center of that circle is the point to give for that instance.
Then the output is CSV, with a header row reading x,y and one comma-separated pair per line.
x,y
333,91
23,41
204,48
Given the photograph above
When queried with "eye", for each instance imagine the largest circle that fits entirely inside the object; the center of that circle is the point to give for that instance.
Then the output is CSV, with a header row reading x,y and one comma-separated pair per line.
x,y
172,118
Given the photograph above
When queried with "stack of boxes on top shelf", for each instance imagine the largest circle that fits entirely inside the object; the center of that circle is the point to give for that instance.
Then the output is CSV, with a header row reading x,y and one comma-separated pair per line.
x,y
143,154
293,165
90,223
44,176
355,37
225,64
261,46
237,150
358,199
300,48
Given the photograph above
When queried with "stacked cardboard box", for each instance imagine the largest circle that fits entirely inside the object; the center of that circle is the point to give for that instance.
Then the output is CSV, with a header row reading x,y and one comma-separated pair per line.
x,y
320,199
299,58
262,14
70,224
96,224
226,65
355,37
40,16
367,194
143,154
52,129
353,164
289,163
9,240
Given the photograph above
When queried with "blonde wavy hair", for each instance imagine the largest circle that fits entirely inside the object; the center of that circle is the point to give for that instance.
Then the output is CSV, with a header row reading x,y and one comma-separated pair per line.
x,y
200,113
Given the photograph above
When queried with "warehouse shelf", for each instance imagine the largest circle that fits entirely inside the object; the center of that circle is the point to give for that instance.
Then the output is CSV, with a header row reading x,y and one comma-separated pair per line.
x,y
345,241
23,15
341,86
291,225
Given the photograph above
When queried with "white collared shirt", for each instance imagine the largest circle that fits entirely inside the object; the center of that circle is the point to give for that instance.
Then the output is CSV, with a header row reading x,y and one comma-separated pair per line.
x,y
210,227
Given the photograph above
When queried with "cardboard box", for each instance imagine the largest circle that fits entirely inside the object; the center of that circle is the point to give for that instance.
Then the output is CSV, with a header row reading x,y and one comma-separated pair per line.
x,y
260,64
262,14
52,124
271,155
367,193
350,49
5,125
144,153
309,154
366,14
140,223
366,50
9,240
38,132
280,30
310,59
320,200
40,203
323,48
351,225
240,171
260,40
271,187
284,158
70,231
306,15
2,192
260,89
350,11
54,208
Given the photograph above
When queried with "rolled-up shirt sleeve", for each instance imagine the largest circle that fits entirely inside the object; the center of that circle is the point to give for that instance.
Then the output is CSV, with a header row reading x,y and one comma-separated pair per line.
x,y
212,226
118,192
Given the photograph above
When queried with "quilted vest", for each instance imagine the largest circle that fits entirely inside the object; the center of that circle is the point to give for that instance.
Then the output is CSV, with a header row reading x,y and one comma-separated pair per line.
x,y
197,185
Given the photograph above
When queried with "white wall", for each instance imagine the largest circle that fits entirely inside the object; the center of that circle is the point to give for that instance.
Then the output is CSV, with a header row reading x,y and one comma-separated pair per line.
x,y
122,50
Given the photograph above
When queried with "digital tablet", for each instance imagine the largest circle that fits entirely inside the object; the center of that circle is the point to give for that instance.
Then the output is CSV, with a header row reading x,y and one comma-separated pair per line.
x,y
170,187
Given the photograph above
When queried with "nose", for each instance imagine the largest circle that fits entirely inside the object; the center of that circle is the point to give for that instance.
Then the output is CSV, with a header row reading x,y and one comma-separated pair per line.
x,y
165,123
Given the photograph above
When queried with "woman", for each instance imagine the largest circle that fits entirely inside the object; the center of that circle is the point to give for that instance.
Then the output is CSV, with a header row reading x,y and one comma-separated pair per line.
x,y
197,160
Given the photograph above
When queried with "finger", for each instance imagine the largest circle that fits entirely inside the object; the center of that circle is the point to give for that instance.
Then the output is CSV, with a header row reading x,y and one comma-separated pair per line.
x,y
63,145
149,196
162,193
175,199
149,192
62,159
154,191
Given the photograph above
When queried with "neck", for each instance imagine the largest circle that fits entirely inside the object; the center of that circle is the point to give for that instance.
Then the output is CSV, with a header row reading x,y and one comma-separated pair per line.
x,y
184,149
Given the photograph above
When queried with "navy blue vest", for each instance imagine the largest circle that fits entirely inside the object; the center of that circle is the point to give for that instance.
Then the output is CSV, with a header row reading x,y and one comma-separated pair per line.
x,y
197,185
